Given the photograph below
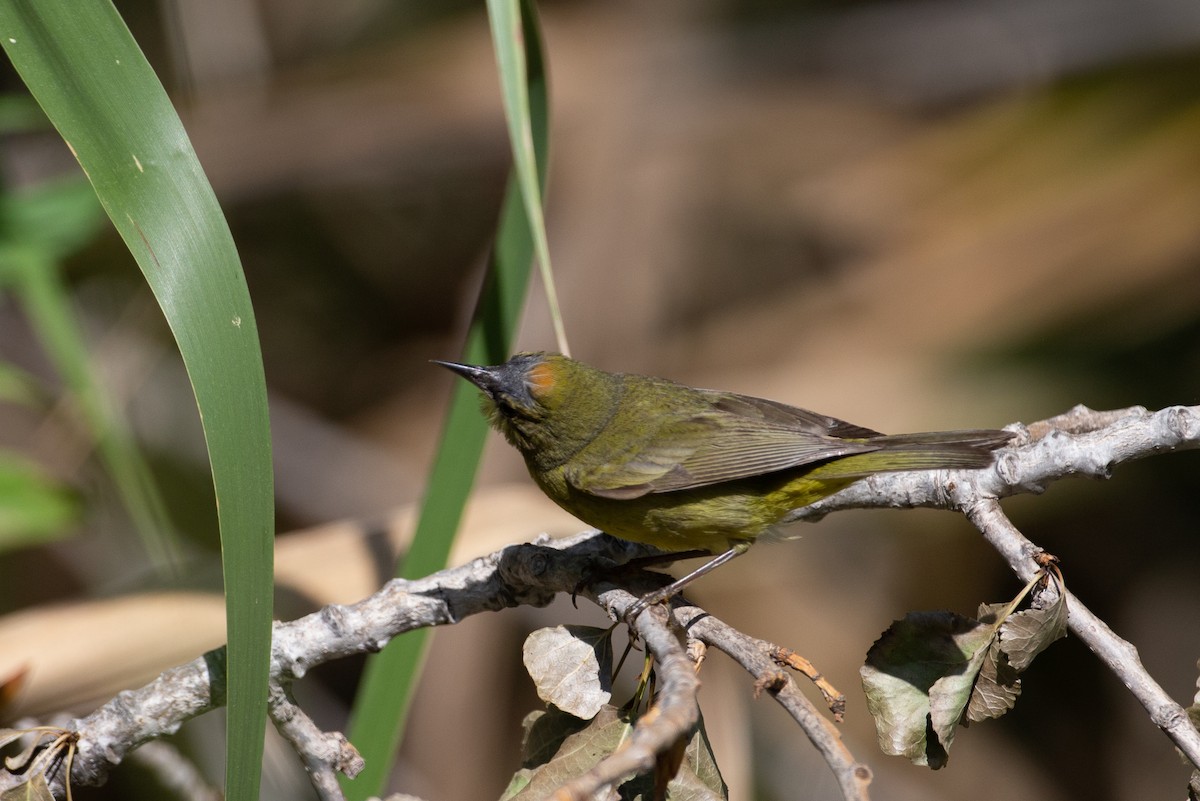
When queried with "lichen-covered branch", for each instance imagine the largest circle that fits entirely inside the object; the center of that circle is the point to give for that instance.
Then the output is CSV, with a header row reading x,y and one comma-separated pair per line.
x,y
755,656
1080,442
526,574
324,754
1120,656
672,718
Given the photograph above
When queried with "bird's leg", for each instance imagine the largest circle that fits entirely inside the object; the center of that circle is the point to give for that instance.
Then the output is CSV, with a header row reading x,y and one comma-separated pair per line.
x,y
659,559
637,563
675,587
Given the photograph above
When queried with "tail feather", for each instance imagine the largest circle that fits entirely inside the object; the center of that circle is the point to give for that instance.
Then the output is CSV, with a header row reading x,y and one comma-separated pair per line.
x,y
984,440
935,450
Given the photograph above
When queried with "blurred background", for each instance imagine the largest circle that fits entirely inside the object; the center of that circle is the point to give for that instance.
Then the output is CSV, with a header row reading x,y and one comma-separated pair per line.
x,y
911,215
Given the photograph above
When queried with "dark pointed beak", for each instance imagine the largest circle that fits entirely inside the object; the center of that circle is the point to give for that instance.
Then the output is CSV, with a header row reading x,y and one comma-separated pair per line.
x,y
483,377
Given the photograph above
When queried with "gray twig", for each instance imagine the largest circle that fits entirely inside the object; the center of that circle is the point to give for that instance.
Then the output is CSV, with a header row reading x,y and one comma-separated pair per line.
x,y
1119,655
175,771
526,574
672,718
755,656
324,754
1080,442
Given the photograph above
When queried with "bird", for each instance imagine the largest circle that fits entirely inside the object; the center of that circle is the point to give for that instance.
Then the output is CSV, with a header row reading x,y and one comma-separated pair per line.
x,y
689,471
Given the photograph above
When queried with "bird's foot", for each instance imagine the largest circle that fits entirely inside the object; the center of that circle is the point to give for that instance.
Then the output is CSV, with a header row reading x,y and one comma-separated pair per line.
x,y
646,601
607,570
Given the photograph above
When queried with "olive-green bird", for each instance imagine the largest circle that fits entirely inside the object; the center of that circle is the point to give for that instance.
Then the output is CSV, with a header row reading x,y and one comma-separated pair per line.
x,y
684,469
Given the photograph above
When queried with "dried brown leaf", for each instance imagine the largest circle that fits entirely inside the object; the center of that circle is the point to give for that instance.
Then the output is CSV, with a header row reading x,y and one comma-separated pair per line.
x,y
571,666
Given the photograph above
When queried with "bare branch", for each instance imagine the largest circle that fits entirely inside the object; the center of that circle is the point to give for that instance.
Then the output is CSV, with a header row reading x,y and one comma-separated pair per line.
x,y
672,718
324,754
175,772
1119,655
757,657
520,574
1080,442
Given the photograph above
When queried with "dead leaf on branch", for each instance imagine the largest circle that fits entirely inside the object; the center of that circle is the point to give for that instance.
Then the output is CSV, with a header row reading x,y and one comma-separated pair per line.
x,y
1027,633
932,671
47,745
559,747
571,666
697,778
35,789
1194,710
1193,713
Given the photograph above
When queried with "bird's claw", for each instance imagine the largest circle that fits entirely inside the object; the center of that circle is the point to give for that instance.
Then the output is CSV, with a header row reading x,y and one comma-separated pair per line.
x,y
646,601
635,609
600,568
578,588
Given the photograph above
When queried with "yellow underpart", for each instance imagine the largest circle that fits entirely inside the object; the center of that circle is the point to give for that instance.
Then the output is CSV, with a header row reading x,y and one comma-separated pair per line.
x,y
710,518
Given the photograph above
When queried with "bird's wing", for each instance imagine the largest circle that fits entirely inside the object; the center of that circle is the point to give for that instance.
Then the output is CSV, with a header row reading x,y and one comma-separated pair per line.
x,y
734,437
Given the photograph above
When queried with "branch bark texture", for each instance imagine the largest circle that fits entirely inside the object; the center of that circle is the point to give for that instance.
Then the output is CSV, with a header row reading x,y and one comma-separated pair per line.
x,y
1080,442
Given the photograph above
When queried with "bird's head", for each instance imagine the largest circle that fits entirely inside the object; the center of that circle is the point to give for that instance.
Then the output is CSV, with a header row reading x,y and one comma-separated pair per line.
x,y
543,403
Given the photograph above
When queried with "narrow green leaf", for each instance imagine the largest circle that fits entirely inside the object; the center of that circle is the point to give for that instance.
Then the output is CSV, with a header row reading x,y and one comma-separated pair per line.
x,y
512,22
20,113
33,509
381,707
38,285
19,387
38,227
56,218
85,70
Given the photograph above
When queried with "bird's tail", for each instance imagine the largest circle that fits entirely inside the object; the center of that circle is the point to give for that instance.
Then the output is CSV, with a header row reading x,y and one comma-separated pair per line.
x,y
934,450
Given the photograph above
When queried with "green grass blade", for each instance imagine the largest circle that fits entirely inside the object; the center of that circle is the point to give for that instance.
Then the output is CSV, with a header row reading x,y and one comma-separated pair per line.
x,y
382,705
38,285
33,509
510,20
88,74
38,227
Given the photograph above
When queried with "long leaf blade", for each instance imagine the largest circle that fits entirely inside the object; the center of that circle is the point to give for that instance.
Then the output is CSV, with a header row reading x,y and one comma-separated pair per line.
x,y
88,74
381,708
512,21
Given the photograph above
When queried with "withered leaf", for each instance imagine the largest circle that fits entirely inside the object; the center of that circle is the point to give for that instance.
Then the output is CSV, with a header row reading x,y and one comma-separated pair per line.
x,y
35,789
577,751
1194,710
697,778
918,679
996,689
933,670
559,747
571,666
1026,634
